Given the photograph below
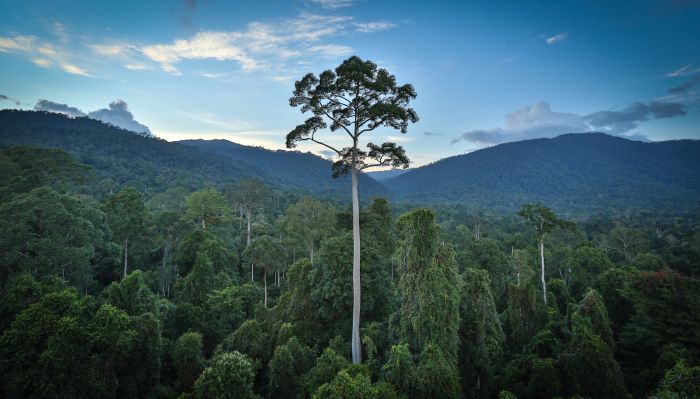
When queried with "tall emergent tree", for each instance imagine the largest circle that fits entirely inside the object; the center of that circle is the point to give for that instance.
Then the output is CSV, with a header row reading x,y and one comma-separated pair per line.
x,y
356,98
544,221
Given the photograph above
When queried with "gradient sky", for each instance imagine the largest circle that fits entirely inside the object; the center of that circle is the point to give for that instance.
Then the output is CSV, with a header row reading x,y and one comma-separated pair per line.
x,y
485,72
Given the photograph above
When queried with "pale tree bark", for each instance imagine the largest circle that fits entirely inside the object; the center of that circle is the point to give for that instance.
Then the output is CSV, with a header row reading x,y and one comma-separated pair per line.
x,y
356,288
265,280
252,273
249,215
126,256
311,252
544,283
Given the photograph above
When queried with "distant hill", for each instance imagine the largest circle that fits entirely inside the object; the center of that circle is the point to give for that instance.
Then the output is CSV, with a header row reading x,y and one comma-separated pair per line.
x,y
573,172
151,165
298,169
382,175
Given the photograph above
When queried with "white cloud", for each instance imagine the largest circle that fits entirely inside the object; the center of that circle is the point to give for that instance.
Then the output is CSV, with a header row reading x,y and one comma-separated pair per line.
x,y
111,48
76,70
137,66
369,27
17,43
400,139
330,50
42,62
556,38
215,45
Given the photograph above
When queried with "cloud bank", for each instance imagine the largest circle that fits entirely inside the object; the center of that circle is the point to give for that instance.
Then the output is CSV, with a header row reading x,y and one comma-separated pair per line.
x,y
116,114
539,120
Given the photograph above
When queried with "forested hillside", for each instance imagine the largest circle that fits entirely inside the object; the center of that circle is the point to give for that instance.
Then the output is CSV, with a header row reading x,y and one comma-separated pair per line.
x,y
294,168
572,172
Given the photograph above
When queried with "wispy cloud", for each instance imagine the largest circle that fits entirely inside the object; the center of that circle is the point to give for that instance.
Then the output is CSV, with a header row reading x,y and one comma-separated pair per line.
x,y
560,37
44,53
333,4
74,69
539,120
215,45
682,71
370,27
270,46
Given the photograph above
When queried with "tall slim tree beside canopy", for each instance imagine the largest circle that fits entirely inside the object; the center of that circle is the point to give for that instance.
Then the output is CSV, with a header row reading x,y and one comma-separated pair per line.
x,y
544,221
127,217
355,99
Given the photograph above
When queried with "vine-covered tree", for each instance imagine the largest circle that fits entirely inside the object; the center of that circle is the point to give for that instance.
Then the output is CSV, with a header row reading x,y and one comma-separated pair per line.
x,y
356,98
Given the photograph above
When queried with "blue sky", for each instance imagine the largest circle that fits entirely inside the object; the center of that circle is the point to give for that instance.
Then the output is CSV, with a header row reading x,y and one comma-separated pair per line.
x,y
485,72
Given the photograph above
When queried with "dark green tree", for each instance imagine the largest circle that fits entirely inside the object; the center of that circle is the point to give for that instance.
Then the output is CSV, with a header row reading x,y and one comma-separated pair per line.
x,y
128,218
188,359
356,98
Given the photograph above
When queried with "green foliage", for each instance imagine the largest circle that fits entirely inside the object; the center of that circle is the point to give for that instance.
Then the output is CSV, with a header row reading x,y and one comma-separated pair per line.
x,y
51,235
309,220
588,366
428,286
287,366
331,282
350,383
399,369
23,169
593,308
228,376
63,346
200,282
429,312
325,370
524,315
207,207
583,265
132,295
480,335
128,218
188,359
680,382
224,314
203,241
485,254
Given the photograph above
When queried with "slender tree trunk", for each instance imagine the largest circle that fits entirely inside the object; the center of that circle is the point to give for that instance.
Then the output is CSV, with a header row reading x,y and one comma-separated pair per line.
x,y
249,215
265,280
356,288
252,273
311,253
126,256
544,283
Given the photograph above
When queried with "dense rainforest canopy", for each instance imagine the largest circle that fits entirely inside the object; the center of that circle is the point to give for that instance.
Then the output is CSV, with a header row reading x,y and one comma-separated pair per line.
x,y
116,291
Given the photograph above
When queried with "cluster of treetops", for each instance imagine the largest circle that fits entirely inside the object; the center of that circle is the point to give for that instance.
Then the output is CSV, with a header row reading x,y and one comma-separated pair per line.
x,y
234,292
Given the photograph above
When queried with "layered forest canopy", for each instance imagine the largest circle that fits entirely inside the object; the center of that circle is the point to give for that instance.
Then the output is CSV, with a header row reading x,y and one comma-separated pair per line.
x,y
127,271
